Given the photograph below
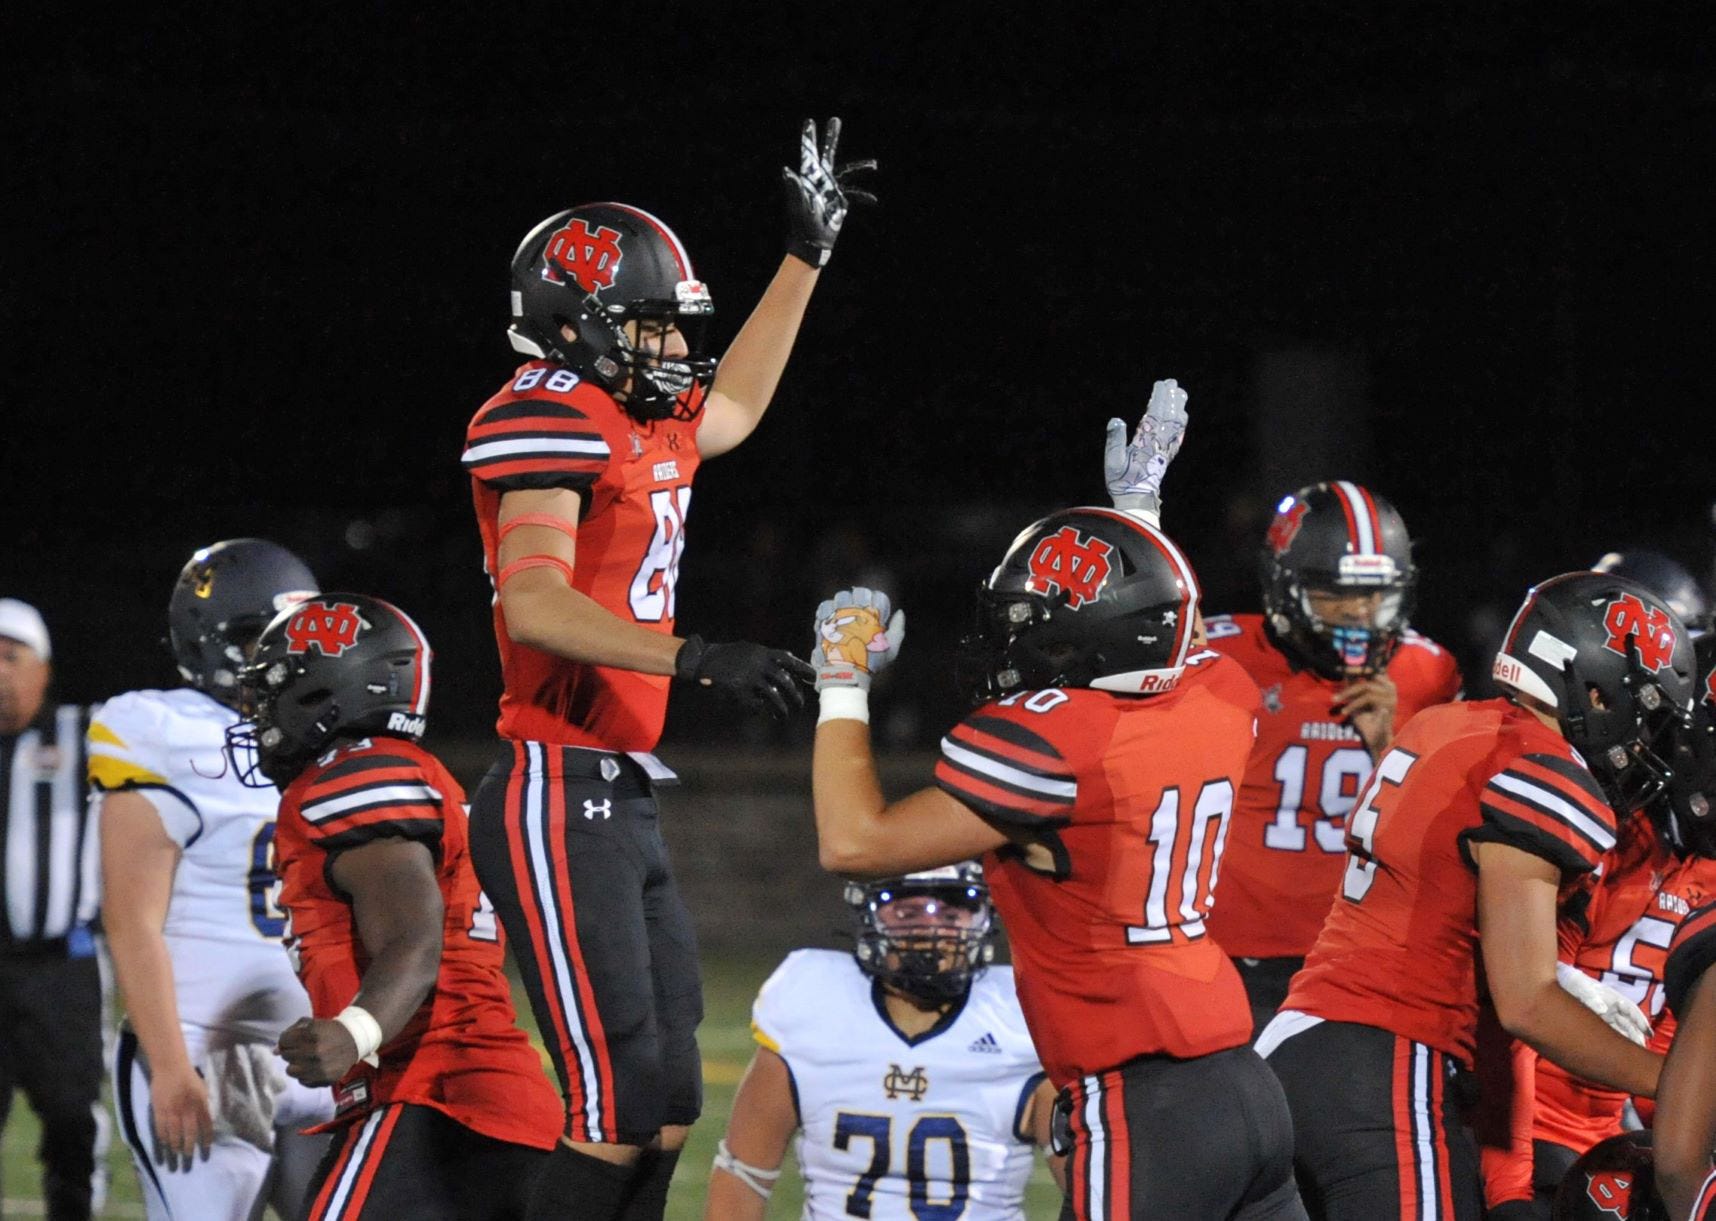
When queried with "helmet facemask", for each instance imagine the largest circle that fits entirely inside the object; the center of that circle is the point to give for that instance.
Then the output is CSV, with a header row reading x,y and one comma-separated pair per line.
x,y
1630,748
926,939
1331,647
283,729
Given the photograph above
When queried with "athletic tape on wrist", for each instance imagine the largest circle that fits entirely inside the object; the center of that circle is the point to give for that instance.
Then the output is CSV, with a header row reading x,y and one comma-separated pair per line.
x,y
364,1029
844,704
755,1177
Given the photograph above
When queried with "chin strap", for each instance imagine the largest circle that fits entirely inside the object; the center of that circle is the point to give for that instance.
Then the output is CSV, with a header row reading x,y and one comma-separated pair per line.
x,y
755,1177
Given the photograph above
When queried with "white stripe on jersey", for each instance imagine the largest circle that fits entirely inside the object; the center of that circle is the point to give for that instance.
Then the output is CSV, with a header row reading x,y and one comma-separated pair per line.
x,y
1011,775
324,808
1601,836
487,451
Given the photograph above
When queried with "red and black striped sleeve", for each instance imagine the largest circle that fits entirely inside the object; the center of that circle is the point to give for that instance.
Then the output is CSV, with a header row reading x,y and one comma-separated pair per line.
x,y
1690,954
366,797
1551,807
1007,772
537,443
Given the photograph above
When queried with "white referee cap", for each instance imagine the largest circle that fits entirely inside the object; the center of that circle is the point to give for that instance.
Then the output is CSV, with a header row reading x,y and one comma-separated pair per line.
x,y
22,622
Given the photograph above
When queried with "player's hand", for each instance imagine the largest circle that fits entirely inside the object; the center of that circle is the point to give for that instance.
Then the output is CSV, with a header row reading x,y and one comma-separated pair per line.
x,y
318,1051
1368,705
1134,469
818,194
1623,1017
756,676
858,635
179,1110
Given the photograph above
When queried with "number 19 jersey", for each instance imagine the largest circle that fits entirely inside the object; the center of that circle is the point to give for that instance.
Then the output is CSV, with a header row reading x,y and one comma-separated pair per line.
x,y
1128,800
549,429
1287,846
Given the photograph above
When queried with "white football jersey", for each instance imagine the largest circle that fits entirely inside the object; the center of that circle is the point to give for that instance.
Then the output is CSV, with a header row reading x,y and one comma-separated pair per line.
x,y
224,927
897,1129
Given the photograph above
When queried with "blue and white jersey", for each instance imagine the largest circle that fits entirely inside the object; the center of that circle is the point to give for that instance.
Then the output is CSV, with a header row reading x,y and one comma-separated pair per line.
x,y
896,1128
224,928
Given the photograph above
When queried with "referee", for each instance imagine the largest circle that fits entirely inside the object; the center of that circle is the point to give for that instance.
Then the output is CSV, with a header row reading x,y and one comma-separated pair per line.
x,y
50,983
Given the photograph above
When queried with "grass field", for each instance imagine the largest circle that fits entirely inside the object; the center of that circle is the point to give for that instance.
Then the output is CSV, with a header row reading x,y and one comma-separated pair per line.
x,y
726,1042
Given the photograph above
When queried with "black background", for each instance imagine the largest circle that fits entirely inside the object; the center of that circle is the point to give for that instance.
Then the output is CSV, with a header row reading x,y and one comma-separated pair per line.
x,y
255,284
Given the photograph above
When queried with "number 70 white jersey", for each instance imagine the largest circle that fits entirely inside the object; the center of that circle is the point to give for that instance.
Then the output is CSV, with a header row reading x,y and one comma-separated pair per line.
x,y
901,1129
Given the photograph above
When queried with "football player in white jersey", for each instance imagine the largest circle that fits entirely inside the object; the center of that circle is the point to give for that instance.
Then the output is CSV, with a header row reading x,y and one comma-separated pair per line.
x,y
189,905
904,1068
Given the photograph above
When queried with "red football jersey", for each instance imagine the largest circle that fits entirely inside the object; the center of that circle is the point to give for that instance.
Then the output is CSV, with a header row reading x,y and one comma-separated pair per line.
x,y
549,429
1287,847
1130,798
1397,950
462,1051
1690,954
1616,926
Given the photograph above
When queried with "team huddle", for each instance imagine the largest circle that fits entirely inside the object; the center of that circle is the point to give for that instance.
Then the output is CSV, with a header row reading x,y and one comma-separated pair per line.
x,y
1296,931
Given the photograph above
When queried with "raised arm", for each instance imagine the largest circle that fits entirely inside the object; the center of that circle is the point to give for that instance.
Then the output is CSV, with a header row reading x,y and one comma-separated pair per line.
x,y
138,862
818,196
396,901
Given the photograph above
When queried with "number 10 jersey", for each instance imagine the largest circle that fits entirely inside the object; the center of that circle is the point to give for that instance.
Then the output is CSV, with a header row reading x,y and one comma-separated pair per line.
x,y
548,429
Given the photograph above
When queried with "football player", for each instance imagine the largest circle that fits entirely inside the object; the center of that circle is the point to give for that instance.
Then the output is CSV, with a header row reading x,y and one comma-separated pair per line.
x,y
581,470
188,879
1686,1104
1615,929
1097,773
443,1108
1340,671
904,1067
1466,838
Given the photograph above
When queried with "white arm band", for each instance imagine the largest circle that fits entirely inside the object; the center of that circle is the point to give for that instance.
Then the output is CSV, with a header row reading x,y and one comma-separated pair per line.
x,y
843,704
365,1032
757,1179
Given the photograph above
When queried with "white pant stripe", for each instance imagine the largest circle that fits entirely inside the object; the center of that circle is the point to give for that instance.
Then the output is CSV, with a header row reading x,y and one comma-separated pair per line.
x,y
354,1167
1424,1131
537,849
1098,1175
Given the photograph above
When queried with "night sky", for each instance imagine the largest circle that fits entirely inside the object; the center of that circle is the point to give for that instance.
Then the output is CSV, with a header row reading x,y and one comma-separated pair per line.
x,y
256,284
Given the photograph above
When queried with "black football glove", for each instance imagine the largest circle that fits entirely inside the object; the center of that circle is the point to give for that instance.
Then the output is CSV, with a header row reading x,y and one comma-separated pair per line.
x,y
755,676
817,195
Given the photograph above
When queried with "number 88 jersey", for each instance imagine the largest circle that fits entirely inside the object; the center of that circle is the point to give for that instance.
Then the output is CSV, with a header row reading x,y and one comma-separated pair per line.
x,y
548,429
1288,843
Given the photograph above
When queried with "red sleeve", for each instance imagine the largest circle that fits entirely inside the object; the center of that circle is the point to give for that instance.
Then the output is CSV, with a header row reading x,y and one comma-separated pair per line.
x,y
1550,807
1007,771
1690,954
542,441
369,796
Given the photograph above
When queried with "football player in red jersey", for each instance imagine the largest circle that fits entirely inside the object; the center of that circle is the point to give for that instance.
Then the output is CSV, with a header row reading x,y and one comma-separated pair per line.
x,y
1615,930
1686,1103
442,1100
1340,673
1475,822
1097,774
581,469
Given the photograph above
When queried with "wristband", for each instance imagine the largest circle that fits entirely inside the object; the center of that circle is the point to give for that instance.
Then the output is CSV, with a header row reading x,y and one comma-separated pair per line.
x,y
755,1177
844,704
360,1023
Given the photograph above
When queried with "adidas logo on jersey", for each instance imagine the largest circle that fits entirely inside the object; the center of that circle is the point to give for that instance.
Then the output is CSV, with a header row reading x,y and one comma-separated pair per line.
x,y
986,1044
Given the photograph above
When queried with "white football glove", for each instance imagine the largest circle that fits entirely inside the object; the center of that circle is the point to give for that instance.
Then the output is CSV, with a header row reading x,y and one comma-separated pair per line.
x,y
1623,1017
1134,469
858,635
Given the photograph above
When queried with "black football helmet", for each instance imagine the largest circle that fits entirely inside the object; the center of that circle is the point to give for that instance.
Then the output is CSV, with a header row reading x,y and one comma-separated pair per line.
x,y
225,595
595,268
1665,577
336,666
1342,539
1690,796
1616,667
1613,1180
928,934
1083,598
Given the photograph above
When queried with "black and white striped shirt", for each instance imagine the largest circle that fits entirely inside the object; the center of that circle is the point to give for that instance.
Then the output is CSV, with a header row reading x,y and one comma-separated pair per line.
x,y
48,858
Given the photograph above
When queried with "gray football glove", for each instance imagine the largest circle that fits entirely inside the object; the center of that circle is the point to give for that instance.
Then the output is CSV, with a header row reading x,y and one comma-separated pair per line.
x,y
1134,469
858,635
